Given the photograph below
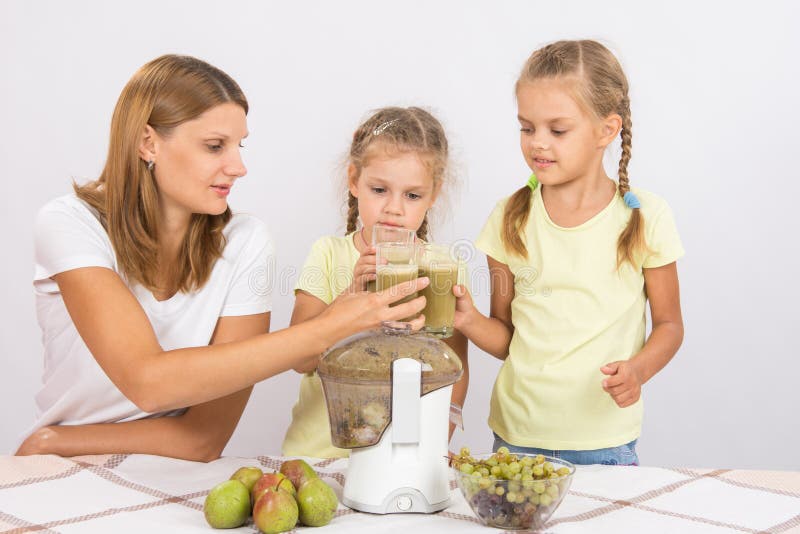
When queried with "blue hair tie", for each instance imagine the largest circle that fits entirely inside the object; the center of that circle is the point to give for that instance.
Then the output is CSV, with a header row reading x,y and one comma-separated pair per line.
x,y
631,200
533,182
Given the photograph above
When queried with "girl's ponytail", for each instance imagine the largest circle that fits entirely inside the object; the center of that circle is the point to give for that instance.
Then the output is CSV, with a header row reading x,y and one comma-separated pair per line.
x,y
515,217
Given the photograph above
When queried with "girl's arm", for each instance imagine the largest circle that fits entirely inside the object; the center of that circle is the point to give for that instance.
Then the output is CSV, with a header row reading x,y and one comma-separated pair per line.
x,y
627,377
491,334
458,342
200,434
117,332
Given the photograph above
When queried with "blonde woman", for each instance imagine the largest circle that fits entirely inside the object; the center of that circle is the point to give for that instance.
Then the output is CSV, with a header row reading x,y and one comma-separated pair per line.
x,y
153,298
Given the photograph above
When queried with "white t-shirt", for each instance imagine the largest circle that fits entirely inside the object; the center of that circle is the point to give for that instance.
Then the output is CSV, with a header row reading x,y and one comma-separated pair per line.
x,y
69,235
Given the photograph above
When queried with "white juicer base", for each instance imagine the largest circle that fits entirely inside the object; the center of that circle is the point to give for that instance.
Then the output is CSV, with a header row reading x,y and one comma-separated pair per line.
x,y
393,477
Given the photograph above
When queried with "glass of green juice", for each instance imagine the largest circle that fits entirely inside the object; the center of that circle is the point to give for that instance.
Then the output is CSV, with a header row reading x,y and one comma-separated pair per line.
x,y
395,263
437,263
384,233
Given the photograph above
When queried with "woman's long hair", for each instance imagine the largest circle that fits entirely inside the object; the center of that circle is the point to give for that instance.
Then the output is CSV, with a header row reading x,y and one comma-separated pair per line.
x,y
163,94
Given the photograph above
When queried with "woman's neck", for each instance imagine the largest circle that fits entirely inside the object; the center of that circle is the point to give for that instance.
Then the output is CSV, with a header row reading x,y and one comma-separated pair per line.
x,y
172,229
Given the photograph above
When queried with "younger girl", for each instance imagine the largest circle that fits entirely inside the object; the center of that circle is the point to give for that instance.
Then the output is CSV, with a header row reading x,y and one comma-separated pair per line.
x,y
396,165
574,256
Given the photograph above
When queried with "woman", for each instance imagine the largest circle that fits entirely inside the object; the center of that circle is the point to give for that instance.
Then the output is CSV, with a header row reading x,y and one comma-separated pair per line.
x,y
152,296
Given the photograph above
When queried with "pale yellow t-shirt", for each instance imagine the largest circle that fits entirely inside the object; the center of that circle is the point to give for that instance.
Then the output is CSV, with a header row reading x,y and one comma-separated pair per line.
x,y
327,272
573,312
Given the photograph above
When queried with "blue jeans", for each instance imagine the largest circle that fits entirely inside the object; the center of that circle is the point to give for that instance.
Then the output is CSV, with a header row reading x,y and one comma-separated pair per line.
x,y
622,455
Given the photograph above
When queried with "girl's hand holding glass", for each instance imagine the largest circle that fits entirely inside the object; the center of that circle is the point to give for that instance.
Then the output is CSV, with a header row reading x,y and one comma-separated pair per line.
x,y
465,307
364,271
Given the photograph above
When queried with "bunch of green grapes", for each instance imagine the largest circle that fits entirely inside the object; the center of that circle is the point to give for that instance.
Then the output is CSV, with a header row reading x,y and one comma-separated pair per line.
x,y
510,490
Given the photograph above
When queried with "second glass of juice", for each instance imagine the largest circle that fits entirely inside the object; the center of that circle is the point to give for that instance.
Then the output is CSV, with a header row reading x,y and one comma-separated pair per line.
x,y
437,263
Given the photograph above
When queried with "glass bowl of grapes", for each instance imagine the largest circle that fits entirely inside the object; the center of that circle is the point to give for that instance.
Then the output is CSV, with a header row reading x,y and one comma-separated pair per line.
x,y
511,490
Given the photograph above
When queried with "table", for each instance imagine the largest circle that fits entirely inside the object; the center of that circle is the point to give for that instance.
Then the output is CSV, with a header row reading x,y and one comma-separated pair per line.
x,y
151,494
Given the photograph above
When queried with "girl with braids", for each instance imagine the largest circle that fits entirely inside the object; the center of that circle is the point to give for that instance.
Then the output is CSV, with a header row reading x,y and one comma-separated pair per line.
x,y
574,257
153,297
396,168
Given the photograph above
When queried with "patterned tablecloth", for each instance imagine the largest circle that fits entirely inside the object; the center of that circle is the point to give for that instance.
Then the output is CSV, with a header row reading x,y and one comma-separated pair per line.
x,y
150,494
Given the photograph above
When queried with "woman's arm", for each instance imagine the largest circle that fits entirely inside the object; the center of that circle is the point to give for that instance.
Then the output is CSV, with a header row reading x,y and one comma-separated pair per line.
x,y
200,434
306,307
117,332
627,376
491,334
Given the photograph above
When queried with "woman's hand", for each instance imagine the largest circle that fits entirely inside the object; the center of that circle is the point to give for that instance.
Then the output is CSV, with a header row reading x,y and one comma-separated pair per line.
x,y
354,312
364,271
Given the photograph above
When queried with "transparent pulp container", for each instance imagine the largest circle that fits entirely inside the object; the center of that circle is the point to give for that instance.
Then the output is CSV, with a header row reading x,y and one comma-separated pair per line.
x,y
356,376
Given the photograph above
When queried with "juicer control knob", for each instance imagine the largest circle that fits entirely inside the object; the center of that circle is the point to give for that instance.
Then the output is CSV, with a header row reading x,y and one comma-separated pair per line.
x,y
403,503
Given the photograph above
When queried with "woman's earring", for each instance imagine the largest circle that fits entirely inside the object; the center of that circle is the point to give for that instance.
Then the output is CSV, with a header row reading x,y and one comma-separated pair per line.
x,y
150,165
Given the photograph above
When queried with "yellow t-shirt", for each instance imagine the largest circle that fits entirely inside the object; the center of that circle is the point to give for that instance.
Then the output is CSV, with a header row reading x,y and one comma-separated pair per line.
x,y
327,272
573,312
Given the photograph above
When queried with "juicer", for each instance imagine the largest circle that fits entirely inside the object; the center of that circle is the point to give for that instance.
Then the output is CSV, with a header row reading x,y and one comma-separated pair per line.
x,y
388,396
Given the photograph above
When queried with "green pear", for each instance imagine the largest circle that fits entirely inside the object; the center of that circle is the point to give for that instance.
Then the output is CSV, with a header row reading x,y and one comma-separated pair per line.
x,y
227,505
298,471
275,511
247,476
271,480
317,503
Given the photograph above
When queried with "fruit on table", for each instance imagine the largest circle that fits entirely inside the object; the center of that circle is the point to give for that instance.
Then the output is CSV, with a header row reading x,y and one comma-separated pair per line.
x,y
227,505
317,503
274,481
272,498
298,471
507,490
247,476
275,511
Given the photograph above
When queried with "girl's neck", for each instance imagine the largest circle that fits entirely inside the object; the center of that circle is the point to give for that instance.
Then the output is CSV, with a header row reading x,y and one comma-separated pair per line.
x,y
580,193
575,202
362,239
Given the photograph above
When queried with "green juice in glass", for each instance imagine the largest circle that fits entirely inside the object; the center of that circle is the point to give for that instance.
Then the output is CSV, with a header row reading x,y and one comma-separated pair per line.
x,y
398,255
392,274
440,305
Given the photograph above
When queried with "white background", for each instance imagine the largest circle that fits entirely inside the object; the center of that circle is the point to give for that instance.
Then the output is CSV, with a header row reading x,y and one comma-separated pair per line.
x,y
715,114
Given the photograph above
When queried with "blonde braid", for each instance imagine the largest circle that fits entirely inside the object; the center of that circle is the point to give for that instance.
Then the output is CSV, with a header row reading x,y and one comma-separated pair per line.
x,y
627,141
352,213
422,231
632,237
